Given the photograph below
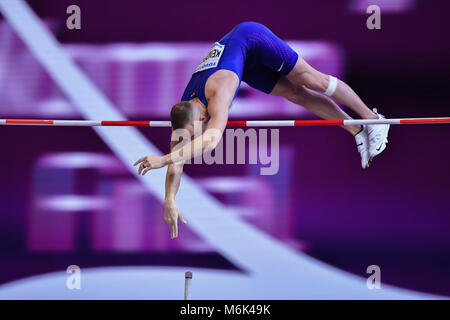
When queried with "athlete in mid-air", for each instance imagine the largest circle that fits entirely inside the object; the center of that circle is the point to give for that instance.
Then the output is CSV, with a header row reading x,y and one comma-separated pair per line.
x,y
250,52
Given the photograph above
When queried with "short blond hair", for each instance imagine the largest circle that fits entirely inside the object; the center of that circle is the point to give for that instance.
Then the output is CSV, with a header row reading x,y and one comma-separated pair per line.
x,y
181,114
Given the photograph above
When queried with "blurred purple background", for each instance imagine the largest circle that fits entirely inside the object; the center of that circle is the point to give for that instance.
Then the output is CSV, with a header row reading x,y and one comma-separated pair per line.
x,y
65,197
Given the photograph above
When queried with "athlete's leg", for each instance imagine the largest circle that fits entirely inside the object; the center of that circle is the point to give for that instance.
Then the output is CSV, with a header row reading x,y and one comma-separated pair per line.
x,y
279,59
278,56
317,103
304,74
325,108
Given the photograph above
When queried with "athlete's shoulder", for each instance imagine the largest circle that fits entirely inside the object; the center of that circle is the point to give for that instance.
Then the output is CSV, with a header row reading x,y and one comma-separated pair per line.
x,y
221,83
221,79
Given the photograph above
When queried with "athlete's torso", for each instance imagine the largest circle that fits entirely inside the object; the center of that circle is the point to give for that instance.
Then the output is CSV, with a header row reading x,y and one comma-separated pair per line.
x,y
253,52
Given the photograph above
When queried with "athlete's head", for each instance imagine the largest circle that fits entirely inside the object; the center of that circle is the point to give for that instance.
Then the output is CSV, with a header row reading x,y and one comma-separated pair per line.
x,y
185,113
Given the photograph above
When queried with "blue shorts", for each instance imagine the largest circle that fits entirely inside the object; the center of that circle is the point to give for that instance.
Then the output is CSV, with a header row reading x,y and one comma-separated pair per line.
x,y
250,50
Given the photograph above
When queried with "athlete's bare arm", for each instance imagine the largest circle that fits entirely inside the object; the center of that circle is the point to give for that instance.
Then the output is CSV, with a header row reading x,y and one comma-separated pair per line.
x,y
173,178
219,91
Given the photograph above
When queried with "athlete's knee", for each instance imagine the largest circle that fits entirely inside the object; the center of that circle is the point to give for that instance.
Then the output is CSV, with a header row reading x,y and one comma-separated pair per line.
x,y
314,82
293,92
298,94
306,97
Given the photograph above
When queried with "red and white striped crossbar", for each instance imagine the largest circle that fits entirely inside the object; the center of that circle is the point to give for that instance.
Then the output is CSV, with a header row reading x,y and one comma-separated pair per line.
x,y
245,123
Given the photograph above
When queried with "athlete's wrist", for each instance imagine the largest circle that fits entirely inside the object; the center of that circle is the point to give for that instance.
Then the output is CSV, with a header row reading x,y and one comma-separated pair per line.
x,y
169,200
167,159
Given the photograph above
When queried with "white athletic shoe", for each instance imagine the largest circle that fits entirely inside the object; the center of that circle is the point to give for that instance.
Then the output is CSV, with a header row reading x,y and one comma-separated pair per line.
x,y
362,142
377,134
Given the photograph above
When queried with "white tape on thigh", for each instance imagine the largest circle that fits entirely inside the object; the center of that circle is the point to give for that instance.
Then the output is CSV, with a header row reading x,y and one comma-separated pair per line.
x,y
332,85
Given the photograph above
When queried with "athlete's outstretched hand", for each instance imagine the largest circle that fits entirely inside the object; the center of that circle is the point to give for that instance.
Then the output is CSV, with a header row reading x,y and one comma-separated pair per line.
x,y
171,215
150,162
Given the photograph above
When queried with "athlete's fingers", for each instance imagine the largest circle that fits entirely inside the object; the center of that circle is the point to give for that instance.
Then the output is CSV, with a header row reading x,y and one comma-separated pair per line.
x,y
182,219
141,167
171,231
170,224
139,161
146,170
175,228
